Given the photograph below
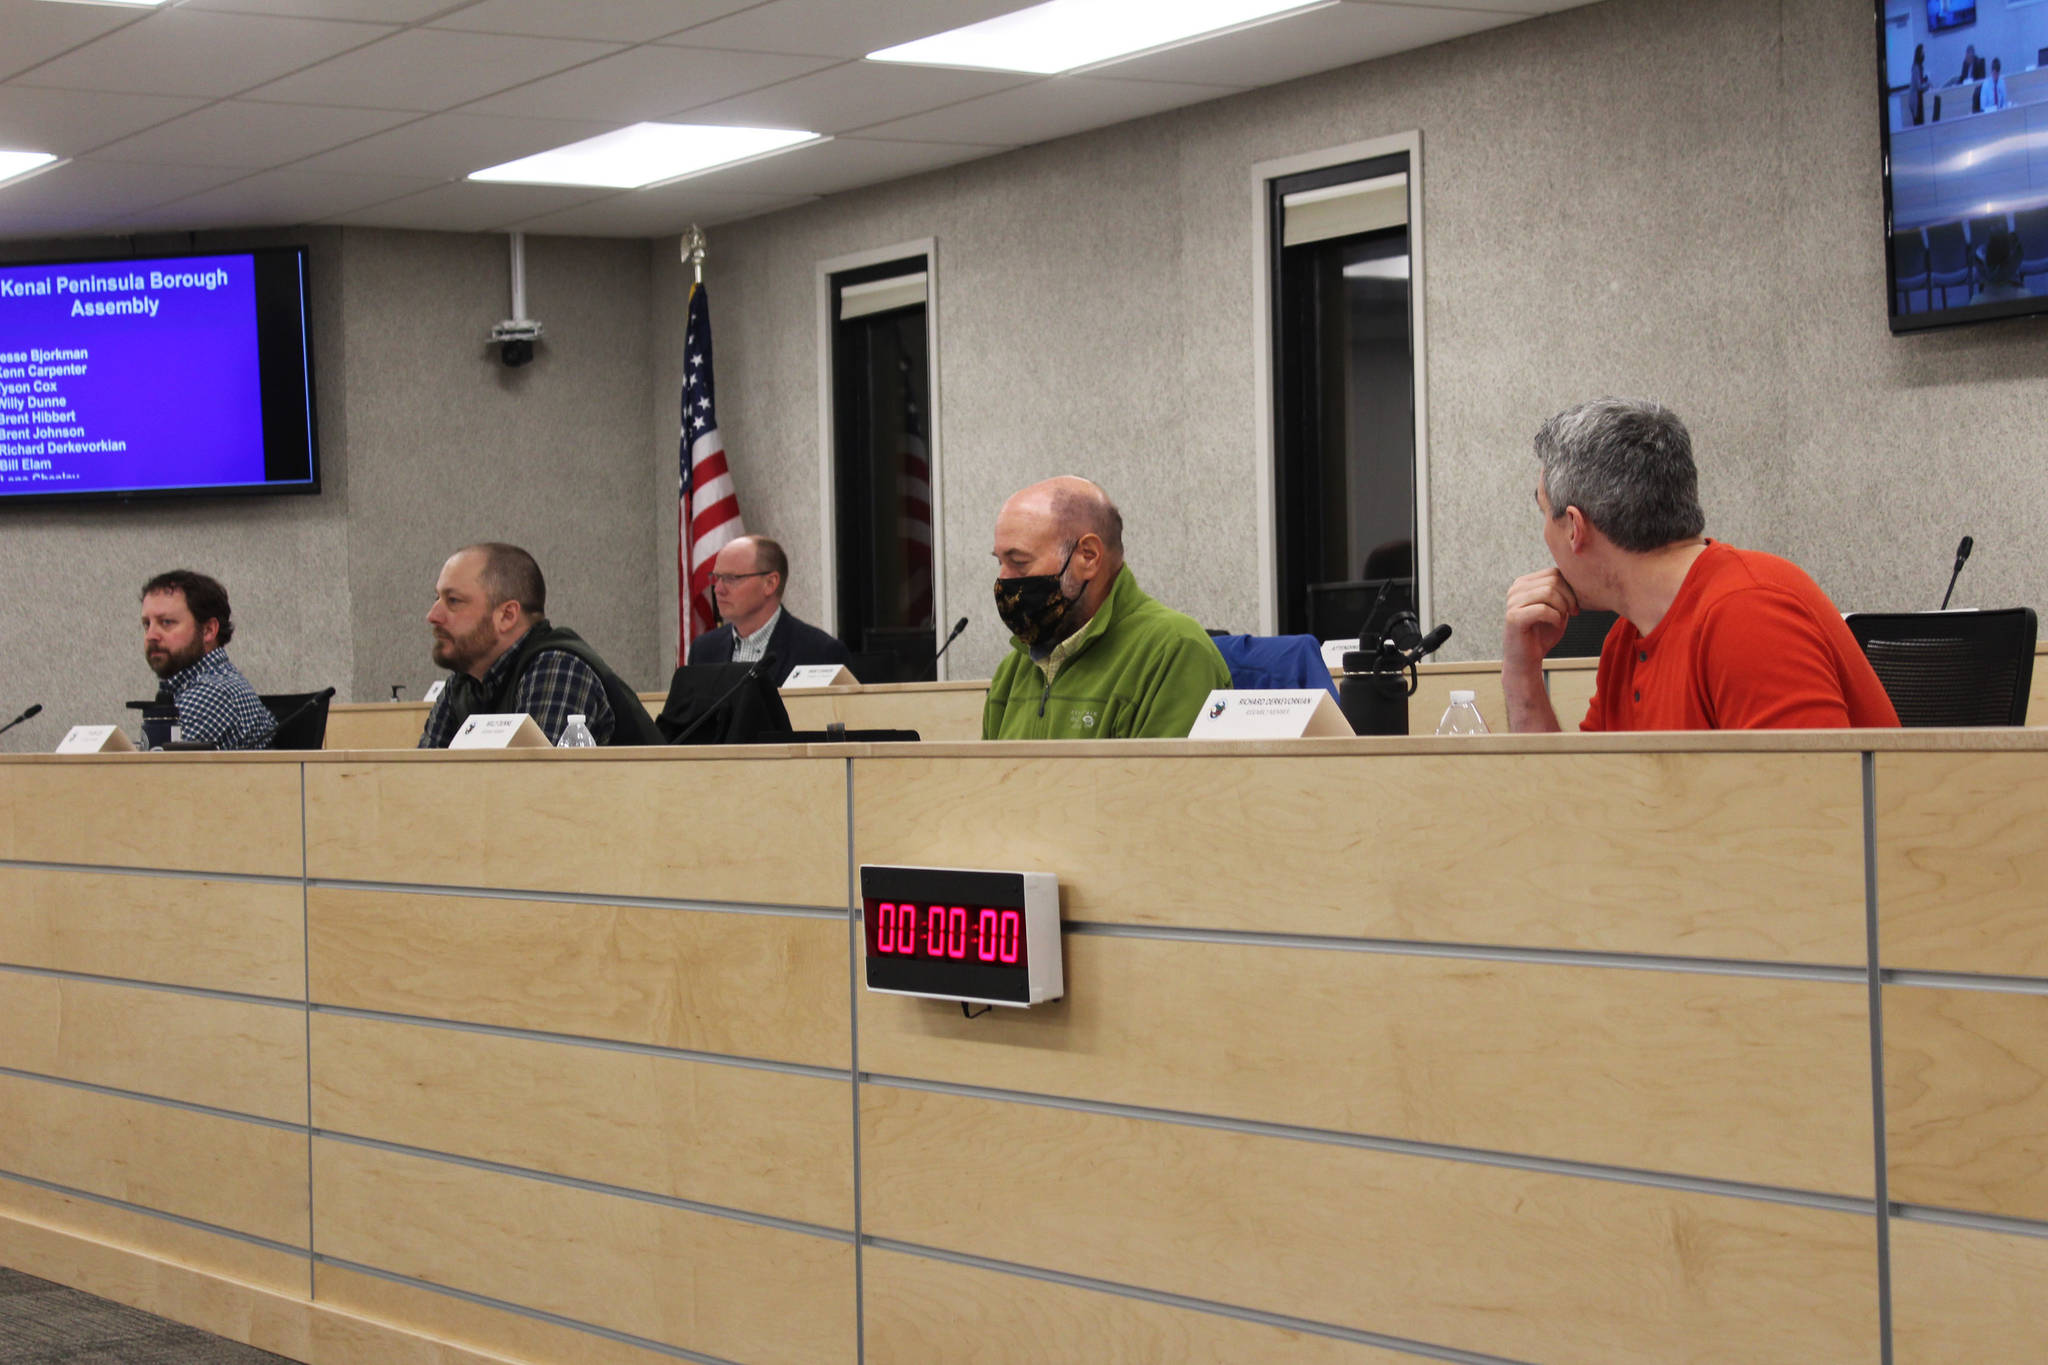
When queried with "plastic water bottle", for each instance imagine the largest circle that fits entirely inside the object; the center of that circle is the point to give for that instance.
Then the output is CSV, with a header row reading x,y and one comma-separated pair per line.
x,y
1461,717
576,735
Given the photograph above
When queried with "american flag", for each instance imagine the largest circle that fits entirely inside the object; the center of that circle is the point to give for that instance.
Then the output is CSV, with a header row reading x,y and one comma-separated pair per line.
x,y
914,509
707,511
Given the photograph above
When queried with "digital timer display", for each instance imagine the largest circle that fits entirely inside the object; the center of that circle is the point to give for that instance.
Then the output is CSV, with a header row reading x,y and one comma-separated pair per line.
x,y
990,935
962,934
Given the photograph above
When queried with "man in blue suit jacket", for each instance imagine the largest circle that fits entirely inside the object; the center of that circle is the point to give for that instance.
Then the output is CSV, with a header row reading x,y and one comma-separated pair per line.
x,y
747,578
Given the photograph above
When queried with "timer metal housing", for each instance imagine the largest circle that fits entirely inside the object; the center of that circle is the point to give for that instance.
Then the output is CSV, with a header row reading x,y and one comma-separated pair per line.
x,y
973,935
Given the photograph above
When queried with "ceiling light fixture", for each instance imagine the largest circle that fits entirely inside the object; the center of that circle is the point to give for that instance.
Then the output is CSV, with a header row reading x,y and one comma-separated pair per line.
x,y
647,154
1069,35
21,165
132,4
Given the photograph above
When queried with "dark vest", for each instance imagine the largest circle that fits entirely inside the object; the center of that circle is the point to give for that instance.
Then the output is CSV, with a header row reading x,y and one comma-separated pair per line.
x,y
630,722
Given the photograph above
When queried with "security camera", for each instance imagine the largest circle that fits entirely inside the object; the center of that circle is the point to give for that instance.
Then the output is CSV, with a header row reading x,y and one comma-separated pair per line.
x,y
514,339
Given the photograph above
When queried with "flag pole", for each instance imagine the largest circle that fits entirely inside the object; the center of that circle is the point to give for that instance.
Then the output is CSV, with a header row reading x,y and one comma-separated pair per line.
x,y
693,256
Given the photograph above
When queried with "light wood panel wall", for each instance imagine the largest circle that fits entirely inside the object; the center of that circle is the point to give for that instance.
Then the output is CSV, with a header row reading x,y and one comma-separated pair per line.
x,y
246,937
765,1141
747,985
1962,869
921,1310
1571,689
375,725
226,1054
27,1212
231,1173
154,810
1966,1099
1528,1265
1966,1295
427,1317
767,830
1734,1078
1754,856
732,1289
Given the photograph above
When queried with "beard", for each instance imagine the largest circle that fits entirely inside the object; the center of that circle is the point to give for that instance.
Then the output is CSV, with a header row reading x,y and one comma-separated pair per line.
x,y
457,653
166,662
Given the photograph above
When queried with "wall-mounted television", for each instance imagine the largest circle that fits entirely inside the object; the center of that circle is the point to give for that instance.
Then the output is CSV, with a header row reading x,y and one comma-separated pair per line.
x,y
1942,14
156,376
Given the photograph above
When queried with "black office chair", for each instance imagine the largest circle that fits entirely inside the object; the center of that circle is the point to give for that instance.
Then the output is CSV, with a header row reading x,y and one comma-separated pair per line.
x,y
307,731
1584,634
1944,668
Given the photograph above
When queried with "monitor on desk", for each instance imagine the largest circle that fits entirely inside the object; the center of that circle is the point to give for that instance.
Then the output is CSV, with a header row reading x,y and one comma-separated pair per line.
x,y
723,704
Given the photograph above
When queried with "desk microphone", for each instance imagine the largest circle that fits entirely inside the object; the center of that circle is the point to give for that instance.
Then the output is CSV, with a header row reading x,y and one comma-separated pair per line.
x,y
724,697
1962,558
953,635
35,710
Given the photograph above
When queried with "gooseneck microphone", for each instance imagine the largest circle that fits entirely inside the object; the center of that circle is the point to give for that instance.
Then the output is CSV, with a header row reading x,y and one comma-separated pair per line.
x,y
1962,558
32,711
951,636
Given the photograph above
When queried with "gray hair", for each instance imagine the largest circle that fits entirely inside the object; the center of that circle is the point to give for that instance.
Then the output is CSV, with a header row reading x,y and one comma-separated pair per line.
x,y
1626,464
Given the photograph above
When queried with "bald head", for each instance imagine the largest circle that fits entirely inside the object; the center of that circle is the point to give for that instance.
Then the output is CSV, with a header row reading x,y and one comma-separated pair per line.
x,y
1065,526
1068,508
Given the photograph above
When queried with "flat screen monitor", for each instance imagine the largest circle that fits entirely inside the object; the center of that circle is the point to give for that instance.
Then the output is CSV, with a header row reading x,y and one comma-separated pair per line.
x,y
723,704
156,376
1960,98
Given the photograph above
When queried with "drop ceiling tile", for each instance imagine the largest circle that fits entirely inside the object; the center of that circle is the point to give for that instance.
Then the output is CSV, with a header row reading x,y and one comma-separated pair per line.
x,y
1054,107
92,190
251,135
449,146
657,213
189,52
1303,44
623,21
470,206
427,69
837,28
36,31
844,163
646,83
854,95
274,198
28,227
68,122
374,11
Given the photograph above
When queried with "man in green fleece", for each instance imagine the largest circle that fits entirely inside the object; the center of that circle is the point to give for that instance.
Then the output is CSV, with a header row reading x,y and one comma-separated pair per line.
x,y
1094,657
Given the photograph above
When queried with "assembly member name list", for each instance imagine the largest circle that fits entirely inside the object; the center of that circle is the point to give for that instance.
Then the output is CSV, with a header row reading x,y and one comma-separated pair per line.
x,y
37,420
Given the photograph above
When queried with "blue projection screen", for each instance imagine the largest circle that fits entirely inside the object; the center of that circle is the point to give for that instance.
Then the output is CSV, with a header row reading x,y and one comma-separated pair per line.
x,y
156,376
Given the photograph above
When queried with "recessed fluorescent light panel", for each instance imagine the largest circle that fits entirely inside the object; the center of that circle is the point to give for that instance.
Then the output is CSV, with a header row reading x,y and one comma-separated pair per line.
x,y
646,154
1066,35
16,165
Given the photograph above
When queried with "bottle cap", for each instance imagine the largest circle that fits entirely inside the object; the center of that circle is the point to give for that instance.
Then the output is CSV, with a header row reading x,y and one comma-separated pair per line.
x,y
1462,695
575,720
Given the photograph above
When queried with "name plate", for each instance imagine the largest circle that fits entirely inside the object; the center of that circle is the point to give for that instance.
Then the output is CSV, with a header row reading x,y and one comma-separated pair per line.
x,y
434,690
820,675
513,731
1308,713
1334,652
95,739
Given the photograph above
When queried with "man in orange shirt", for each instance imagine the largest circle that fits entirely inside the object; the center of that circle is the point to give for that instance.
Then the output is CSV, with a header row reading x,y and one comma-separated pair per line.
x,y
1710,637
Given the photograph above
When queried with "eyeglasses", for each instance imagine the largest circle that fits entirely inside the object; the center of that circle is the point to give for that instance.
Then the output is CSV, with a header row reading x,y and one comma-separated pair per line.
x,y
725,579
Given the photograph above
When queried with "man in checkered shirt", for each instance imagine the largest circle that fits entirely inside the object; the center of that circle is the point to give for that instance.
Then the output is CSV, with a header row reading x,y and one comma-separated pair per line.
x,y
490,628
186,625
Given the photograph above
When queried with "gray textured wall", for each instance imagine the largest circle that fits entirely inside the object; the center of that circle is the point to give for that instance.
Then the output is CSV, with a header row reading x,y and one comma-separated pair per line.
x,y
1643,196
426,442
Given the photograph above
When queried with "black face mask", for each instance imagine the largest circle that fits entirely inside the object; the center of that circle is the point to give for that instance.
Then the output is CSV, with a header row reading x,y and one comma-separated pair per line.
x,y
1033,607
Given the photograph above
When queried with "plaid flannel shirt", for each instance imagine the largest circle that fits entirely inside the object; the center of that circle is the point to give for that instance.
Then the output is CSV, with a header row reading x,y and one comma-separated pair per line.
x,y
216,705
555,687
